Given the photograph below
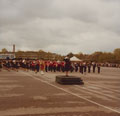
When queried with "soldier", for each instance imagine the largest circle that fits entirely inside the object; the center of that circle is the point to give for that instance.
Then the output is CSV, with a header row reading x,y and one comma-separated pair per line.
x,y
84,67
58,66
62,66
76,67
98,66
81,68
16,65
0,65
54,66
8,65
89,67
94,66
37,67
42,66
46,66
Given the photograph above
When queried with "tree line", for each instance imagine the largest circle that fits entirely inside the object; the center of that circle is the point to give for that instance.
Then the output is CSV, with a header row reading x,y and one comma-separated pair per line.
x,y
111,57
98,56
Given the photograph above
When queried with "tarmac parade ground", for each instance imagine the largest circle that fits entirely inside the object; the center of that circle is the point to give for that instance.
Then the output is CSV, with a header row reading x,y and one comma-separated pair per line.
x,y
29,94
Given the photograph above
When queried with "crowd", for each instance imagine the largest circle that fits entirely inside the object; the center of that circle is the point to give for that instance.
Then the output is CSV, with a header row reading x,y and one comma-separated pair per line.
x,y
49,66
114,65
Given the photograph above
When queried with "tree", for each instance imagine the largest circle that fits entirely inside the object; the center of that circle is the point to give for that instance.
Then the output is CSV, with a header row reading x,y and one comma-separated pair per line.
x,y
95,56
80,55
4,50
41,51
117,54
70,55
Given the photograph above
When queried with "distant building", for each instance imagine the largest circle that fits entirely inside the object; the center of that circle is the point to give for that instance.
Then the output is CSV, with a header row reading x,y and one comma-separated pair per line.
x,y
13,48
29,55
8,55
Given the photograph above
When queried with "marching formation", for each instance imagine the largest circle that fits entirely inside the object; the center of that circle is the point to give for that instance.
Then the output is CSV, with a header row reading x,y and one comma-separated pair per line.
x,y
49,66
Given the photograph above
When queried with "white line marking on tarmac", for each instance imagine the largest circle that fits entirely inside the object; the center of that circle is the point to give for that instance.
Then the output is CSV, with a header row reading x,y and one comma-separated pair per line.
x,y
101,93
74,94
102,87
97,92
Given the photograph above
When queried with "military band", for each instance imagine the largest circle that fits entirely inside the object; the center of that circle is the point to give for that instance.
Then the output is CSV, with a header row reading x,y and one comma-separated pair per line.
x,y
49,66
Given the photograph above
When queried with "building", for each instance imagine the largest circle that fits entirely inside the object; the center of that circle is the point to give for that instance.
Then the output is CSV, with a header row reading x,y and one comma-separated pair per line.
x,y
8,55
29,55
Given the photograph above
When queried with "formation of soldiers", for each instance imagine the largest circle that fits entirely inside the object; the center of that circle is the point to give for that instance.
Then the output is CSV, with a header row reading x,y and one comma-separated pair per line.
x,y
49,66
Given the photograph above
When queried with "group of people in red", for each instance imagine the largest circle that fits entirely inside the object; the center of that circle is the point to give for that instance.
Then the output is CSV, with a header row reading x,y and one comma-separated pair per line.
x,y
50,66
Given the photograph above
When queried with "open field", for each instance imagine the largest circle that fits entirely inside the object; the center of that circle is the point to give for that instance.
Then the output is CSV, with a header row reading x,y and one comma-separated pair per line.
x,y
29,94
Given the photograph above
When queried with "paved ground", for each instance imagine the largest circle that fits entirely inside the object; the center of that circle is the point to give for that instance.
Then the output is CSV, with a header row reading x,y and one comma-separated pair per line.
x,y
29,94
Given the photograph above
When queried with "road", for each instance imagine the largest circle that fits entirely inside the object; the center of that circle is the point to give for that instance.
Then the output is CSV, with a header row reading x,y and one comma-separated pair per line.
x,y
29,94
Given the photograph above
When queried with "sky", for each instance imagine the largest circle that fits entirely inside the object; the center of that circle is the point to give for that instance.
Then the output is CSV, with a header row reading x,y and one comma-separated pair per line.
x,y
60,26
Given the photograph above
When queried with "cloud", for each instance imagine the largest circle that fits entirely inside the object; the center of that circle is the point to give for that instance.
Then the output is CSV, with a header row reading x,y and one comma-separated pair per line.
x,y
60,26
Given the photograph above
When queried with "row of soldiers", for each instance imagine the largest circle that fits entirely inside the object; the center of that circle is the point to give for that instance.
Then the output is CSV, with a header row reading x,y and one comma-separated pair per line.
x,y
52,66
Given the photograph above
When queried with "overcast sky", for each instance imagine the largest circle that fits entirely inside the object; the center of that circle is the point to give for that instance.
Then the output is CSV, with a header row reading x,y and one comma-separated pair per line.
x,y
60,26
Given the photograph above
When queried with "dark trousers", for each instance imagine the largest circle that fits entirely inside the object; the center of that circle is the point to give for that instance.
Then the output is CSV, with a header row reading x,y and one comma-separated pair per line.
x,y
98,69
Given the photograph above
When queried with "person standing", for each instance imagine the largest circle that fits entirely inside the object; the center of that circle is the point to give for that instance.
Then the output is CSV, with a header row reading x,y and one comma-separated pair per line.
x,y
58,66
42,67
51,66
54,66
46,66
84,67
67,65
0,65
8,66
16,65
94,67
62,66
81,68
98,66
76,67
89,67
37,67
